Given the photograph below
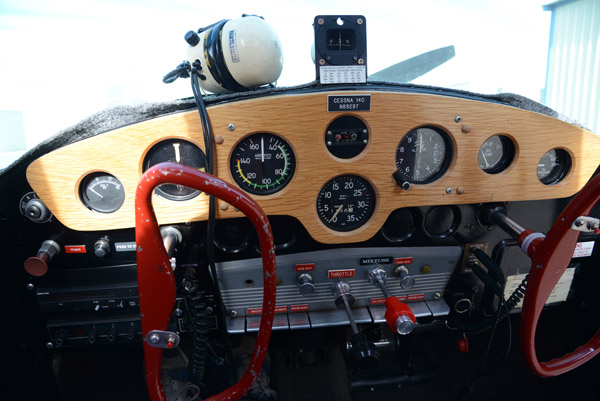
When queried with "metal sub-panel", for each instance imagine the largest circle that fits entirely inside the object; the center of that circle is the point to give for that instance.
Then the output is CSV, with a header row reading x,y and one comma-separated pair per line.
x,y
438,307
299,320
419,309
280,322
241,281
236,325
332,318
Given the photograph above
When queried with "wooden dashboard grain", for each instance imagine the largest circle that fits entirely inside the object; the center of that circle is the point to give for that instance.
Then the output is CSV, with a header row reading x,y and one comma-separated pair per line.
x,y
301,119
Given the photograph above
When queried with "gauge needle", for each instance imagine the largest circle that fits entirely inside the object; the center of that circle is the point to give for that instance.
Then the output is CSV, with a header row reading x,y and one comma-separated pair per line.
x,y
262,149
177,155
92,189
339,209
484,159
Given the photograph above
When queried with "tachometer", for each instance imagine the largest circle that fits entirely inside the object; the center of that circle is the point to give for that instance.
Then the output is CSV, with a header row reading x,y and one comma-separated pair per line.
x,y
553,166
346,202
262,163
423,155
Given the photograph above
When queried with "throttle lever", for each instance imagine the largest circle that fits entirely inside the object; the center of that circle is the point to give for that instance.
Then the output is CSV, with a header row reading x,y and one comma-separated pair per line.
x,y
397,314
365,354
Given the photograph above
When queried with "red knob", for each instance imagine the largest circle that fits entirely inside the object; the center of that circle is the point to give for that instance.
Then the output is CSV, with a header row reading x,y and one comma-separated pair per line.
x,y
399,316
37,265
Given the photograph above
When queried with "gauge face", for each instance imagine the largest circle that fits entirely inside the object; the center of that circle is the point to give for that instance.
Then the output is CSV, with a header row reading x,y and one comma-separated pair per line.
x,y
423,155
262,164
341,39
102,192
553,166
178,151
496,154
346,203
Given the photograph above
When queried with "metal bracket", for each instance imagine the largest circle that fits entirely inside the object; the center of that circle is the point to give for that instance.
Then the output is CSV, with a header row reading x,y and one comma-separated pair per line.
x,y
162,339
586,224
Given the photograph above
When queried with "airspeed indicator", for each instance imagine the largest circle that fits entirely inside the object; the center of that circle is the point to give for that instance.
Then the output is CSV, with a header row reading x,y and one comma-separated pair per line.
x,y
262,163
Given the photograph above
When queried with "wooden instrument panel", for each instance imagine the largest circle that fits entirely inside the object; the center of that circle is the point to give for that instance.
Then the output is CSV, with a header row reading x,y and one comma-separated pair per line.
x,y
302,119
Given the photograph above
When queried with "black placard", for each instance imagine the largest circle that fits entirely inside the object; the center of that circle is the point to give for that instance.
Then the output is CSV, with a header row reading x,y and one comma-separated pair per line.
x,y
381,260
349,103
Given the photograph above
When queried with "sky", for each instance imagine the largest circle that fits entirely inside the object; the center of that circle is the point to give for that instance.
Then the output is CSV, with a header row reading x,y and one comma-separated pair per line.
x,y
63,60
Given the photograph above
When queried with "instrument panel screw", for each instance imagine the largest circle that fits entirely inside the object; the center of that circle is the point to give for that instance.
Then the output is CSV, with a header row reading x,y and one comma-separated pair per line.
x,y
322,62
231,127
579,223
457,119
365,131
448,190
233,313
154,338
49,345
359,21
437,296
329,143
361,61
30,287
365,141
320,21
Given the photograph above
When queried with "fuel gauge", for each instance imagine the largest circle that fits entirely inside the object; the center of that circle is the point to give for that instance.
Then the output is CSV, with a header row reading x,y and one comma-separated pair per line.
x,y
553,166
102,192
496,154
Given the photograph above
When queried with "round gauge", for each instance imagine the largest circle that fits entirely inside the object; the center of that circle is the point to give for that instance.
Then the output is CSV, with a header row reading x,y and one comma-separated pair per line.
x,y
262,163
178,151
423,155
496,154
346,203
401,224
102,192
553,166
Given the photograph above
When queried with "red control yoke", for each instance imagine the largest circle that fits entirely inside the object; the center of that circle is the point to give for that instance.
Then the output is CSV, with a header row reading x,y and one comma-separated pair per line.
x,y
550,257
156,282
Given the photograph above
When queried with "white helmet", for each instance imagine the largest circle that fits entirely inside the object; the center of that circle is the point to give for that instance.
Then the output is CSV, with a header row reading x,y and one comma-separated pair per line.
x,y
236,55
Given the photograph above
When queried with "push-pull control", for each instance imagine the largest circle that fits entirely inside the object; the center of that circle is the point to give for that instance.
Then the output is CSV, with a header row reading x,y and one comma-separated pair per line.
x,y
364,352
397,314
305,284
38,265
406,280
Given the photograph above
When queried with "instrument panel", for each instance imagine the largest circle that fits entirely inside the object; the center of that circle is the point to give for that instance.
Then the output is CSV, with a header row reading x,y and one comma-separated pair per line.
x,y
341,173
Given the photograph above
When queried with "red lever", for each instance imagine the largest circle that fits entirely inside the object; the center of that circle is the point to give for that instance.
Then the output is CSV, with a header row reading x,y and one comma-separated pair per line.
x,y
399,316
156,284
550,257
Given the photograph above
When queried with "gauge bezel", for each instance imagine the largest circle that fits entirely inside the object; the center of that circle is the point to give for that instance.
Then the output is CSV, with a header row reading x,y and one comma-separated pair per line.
x,y
448,155
360,223
417,217
508,155
247,188
88,203
456,219
559,175
160,189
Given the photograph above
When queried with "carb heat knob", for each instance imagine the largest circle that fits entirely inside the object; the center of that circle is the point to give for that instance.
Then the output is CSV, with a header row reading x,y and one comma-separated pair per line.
x,y
38,265
305,283
406,280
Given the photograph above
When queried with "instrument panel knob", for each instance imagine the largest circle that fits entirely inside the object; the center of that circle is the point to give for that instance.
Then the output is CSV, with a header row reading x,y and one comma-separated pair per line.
x,y
305,283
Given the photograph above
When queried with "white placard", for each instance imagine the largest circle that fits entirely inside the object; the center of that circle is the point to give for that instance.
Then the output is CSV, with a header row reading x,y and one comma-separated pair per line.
x,y
343,74
559,293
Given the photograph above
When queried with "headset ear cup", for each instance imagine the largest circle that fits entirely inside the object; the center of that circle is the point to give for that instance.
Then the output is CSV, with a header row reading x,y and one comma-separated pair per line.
x,y
238,55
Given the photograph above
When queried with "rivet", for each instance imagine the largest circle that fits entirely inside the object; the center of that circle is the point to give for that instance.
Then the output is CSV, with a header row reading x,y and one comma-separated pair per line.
x,y
224,206
322,62
361,61
359,21
466,129
460,190
320,21
219,139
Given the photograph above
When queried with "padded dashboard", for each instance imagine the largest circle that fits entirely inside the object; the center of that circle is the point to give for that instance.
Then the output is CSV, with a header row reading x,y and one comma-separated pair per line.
x,y
301,119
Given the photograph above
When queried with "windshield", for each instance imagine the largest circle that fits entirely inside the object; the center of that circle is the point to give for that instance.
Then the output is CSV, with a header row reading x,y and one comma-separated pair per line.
x,y
63,60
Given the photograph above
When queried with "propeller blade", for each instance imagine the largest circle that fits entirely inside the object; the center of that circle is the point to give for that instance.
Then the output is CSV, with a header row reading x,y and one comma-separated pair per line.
x,y
413,68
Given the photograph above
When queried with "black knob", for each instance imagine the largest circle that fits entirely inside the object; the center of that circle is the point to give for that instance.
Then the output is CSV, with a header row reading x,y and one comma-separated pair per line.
x,y
192,38
92,336
36,211
305,283
364,353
